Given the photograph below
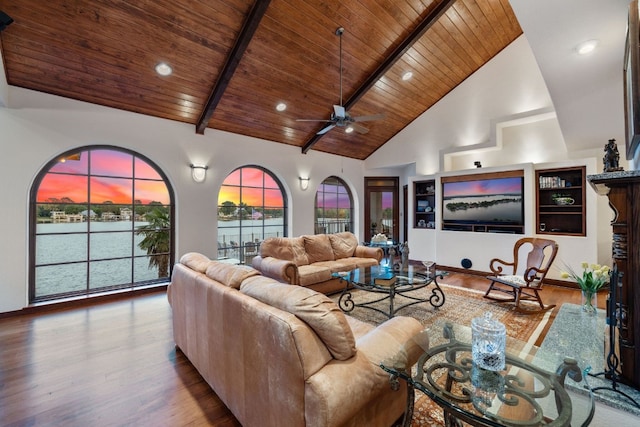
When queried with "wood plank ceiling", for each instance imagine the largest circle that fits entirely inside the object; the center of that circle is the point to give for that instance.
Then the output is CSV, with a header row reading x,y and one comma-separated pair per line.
x,y
104,52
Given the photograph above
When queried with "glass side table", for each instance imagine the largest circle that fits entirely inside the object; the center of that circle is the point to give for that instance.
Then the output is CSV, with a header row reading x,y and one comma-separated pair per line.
x,y
522,394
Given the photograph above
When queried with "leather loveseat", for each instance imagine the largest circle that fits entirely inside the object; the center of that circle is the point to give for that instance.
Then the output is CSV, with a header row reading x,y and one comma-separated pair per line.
x,y
282,355
311,260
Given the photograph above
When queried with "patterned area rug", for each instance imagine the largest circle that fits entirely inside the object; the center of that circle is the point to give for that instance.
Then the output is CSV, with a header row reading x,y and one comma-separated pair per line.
x,y
460,306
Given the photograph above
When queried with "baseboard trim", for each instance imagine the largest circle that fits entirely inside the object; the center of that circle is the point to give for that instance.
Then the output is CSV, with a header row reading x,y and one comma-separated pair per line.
x,y
547,282
83,301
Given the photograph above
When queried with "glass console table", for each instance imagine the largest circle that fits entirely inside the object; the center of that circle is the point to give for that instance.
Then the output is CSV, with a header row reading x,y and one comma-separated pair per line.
x,y
523,394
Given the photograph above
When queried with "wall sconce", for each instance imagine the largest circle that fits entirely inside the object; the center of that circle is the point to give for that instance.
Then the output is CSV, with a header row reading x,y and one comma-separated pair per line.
x,y
477,164
198,172
304,183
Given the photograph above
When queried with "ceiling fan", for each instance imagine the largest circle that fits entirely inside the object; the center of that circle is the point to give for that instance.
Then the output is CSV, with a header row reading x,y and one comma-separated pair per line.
x,y
340,117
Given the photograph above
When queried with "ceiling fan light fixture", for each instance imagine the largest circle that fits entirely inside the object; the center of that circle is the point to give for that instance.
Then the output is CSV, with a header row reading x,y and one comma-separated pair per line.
x,y
281,106
164,69
348,129
407,76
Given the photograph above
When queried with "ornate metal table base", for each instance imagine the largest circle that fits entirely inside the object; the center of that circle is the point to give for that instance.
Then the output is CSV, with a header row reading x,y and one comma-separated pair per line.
x,y
473,395
402,287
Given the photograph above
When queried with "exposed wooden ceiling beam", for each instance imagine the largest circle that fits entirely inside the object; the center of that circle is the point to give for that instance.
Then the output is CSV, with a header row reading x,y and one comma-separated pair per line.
x,y
402,48
246,34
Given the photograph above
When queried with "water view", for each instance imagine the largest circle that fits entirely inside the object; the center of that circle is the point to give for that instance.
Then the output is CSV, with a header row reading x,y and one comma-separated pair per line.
x,y
499,207
70,243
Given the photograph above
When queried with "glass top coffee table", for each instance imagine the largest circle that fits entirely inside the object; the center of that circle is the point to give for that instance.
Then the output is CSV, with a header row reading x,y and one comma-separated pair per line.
x,y
536,387
389,284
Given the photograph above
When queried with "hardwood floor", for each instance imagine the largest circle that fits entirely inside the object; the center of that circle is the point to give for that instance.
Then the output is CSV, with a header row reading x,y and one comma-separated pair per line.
x,y
115,364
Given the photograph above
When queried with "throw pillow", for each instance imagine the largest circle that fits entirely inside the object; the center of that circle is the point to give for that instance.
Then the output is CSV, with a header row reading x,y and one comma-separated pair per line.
x,y
195,261
343,244
286,248
315,309
318,248
229,274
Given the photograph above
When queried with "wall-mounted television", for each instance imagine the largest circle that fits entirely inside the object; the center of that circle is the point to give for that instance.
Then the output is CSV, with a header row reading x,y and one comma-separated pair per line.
x,y
492,202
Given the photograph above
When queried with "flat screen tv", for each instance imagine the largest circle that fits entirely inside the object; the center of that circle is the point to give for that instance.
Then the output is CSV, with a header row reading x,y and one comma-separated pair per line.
x,y
490,200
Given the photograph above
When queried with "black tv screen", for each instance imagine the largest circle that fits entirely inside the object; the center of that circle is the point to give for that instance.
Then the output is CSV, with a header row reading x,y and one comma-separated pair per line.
x,y
490,201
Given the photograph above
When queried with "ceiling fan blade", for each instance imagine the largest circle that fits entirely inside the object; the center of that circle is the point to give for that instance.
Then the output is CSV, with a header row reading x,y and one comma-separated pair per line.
x,y
325,129
368,118
314,120
339,111
359,128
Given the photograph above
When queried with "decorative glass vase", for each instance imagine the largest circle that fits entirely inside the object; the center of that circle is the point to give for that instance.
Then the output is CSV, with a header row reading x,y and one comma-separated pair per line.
x,y
488,340
589,302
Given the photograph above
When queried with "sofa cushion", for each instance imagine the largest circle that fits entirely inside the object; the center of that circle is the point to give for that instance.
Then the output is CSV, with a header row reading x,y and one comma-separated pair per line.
x,y
318,248
195,261
342,264
229,274
343,244
317,310
312,274
287,248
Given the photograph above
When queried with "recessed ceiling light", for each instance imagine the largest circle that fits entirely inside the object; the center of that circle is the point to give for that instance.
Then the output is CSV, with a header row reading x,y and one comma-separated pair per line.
x,y
406,76
164,69
348,129
281,106
587,47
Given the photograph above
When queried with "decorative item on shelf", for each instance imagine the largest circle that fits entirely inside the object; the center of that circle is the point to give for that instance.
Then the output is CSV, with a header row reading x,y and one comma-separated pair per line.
x,y
593,278
488,341
611,157
422,223
562,199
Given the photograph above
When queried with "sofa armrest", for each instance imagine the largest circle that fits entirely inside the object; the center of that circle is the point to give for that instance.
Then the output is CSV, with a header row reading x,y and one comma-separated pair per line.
x,y
279,269
398,338
369,252
342,388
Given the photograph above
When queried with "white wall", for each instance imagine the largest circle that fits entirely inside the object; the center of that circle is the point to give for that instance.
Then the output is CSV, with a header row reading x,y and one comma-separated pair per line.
x,y
503,116
39,127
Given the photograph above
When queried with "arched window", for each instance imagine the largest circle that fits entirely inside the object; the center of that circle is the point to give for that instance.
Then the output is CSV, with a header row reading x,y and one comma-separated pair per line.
x,y
251,207
334,207
101,220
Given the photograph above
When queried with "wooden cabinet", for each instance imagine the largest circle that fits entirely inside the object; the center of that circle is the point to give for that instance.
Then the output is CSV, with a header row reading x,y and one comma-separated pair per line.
x,y
560,201
425,204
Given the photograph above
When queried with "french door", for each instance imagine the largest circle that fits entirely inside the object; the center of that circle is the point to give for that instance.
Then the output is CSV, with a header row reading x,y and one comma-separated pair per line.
x,y
381,207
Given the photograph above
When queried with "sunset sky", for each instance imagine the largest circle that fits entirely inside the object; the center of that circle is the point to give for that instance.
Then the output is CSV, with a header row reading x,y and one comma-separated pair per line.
x,y
253,194
485,186
69,179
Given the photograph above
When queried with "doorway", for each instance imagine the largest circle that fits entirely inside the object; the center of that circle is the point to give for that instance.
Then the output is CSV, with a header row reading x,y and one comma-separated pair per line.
x,y
381,207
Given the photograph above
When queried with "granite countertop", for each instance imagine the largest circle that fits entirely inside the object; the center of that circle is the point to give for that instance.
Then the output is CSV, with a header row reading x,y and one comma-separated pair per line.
x,y
582,336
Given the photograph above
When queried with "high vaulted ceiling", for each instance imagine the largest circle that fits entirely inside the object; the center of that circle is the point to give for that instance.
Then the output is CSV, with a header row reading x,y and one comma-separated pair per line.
x,y
234,60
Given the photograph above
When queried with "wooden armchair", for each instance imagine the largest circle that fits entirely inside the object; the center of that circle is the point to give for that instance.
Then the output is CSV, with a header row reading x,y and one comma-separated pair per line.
x,y
526,276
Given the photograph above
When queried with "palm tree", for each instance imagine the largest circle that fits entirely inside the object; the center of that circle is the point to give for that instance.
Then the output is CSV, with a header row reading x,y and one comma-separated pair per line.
x,y
156,240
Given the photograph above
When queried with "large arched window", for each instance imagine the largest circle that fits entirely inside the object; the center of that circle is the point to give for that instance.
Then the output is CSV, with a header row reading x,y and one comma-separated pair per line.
x,y
334,207
251,207
101,220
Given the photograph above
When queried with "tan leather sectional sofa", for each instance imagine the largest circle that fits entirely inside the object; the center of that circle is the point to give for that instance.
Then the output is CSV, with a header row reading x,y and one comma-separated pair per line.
x,y
309,261
282,355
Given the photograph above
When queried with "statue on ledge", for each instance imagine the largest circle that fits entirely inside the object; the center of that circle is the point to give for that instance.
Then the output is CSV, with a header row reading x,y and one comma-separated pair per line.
x,y
611,157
